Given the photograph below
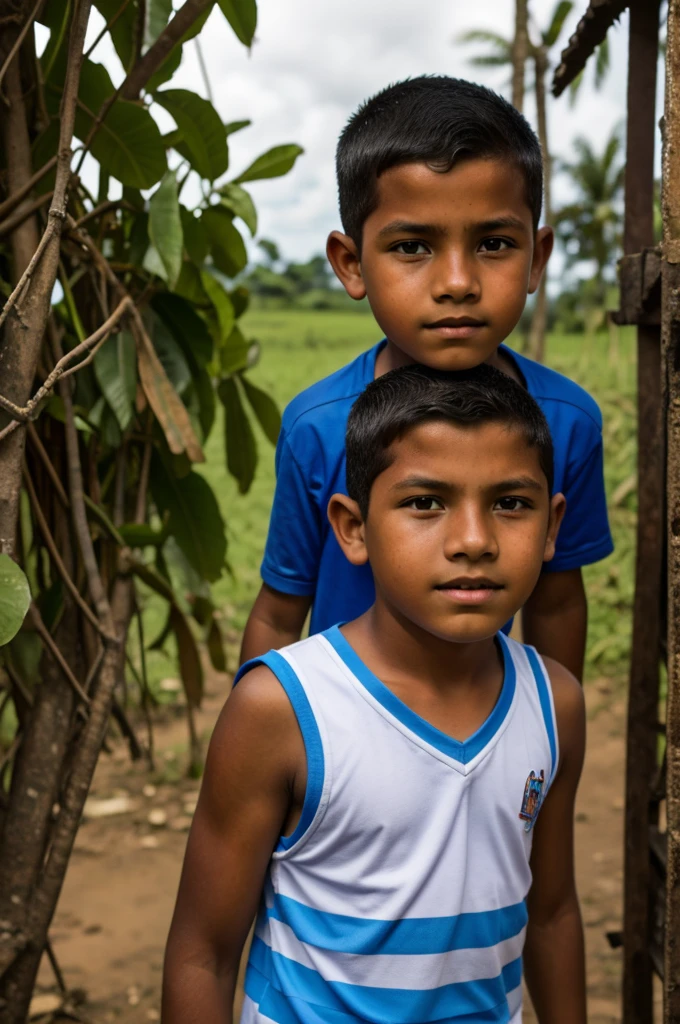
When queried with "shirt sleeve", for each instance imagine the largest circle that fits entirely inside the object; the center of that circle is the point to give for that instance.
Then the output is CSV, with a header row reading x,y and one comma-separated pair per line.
x,y
293,548
584,536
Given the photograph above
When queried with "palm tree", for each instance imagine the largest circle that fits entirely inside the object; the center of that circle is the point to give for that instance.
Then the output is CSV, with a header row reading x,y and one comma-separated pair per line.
x,y
590,226
519,52
500,53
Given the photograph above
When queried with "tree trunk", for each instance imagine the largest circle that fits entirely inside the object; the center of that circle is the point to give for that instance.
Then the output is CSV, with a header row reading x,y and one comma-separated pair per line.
x,y
520,52
539,320
17,358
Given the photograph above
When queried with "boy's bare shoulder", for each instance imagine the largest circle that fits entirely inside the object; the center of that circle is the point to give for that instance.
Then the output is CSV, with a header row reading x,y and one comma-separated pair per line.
x,y
256,724
570,707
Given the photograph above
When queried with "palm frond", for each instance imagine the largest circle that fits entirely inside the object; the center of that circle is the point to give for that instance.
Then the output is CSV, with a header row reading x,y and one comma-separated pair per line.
x,y
602,62
574,88
491,60
562,11
480,35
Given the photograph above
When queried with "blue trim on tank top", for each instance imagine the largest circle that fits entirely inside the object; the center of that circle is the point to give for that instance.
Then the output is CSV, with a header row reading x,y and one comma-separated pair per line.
x,y
463,752
311,736
546,705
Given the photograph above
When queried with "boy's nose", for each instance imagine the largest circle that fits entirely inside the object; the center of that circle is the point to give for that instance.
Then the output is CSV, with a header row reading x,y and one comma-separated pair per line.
x,y
471,536
455,279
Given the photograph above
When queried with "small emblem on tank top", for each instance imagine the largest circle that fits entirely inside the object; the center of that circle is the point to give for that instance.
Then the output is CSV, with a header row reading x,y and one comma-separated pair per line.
x,y
531,802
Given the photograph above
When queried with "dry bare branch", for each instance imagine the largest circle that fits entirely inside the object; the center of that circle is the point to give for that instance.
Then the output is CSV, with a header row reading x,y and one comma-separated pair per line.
x,y
89,346
50,543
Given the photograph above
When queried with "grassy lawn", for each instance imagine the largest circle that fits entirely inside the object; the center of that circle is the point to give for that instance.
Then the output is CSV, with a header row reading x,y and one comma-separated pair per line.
x,y
299,348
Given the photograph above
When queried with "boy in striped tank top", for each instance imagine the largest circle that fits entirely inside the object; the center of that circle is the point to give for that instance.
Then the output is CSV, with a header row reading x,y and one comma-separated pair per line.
x,y
396,793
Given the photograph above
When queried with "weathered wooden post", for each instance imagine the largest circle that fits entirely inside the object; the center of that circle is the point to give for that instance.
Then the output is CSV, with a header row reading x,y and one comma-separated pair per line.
x,y
670,331
650,892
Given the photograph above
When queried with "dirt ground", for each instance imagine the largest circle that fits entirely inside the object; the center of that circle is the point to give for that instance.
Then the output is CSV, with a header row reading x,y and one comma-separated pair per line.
x,y
111,923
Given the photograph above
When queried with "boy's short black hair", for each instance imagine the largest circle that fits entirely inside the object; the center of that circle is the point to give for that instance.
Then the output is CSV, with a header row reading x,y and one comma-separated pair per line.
x,y
402,399
434,120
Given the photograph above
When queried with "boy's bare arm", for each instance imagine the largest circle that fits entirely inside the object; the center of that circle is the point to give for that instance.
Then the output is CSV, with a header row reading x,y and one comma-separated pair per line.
x,y
554,951
253,769
276,619
555,619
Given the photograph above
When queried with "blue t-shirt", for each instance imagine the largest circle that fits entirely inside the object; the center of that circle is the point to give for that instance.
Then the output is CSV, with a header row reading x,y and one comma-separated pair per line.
x,y
302,555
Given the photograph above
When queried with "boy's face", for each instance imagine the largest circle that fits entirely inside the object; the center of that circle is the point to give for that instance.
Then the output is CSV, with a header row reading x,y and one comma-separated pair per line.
x,y
455,544
447,260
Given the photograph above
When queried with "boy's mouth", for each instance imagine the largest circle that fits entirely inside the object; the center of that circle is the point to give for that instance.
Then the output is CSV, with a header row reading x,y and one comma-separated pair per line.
x,y
470,589
456,326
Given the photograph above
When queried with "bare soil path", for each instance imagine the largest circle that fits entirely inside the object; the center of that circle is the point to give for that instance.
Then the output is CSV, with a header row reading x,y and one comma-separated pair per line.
x,y
110,927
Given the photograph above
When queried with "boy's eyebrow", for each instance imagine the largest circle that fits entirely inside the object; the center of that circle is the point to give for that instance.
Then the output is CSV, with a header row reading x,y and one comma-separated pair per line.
x,y
420,481
517,483
497,223
408,227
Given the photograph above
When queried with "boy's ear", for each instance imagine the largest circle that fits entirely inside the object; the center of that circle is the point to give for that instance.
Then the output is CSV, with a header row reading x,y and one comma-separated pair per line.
x,y
543,246
348,527
558,505
343,256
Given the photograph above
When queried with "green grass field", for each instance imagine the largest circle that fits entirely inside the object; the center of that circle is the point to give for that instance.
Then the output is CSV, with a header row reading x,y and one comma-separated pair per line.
x,y
301,347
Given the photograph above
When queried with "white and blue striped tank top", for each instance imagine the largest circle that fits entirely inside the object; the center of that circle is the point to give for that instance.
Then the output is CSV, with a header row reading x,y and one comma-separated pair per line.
x,y
400,896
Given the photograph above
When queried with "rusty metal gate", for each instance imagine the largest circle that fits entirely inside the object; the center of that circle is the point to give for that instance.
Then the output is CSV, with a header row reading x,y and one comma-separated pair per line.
x,y
650,299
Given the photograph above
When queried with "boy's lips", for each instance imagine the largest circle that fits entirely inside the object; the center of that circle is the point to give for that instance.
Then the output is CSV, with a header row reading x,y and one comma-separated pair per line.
x,y
456,326
470,589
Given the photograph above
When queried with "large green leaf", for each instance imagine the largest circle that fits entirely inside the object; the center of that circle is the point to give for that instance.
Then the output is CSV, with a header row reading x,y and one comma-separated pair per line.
x,y
158,13
188,328
242,16
226,244
221,303
166,70
195,238
194,518
205,394
204,140
127,144
171,356
240,440
234,352
190,285
123,31
272,164
115,367
56,14
236,126
15,597
265,409
241,205
165,227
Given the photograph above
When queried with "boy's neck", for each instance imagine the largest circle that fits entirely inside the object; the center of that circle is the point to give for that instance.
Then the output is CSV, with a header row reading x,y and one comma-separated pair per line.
x,y
391,357
397,649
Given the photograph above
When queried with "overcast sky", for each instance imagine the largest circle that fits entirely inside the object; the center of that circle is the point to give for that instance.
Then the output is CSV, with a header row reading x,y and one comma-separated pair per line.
x,y
314,61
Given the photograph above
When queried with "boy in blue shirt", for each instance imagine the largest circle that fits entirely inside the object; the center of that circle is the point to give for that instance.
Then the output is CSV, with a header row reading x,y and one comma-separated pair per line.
x,y
440,187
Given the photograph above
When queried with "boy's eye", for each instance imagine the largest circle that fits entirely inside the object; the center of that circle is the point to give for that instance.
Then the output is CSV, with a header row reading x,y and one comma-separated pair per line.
x,y
510,504
425,503
411,248
496,244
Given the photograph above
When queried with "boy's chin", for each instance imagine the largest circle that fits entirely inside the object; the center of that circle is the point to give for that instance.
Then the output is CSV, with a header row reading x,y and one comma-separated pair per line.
x,y
468,629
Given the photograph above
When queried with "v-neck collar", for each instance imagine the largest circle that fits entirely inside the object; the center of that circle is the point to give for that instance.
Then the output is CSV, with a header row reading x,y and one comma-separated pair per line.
x,y
462,752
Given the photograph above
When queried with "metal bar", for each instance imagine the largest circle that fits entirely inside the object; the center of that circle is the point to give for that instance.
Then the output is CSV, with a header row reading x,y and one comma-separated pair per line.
x,y
643,694
670,334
